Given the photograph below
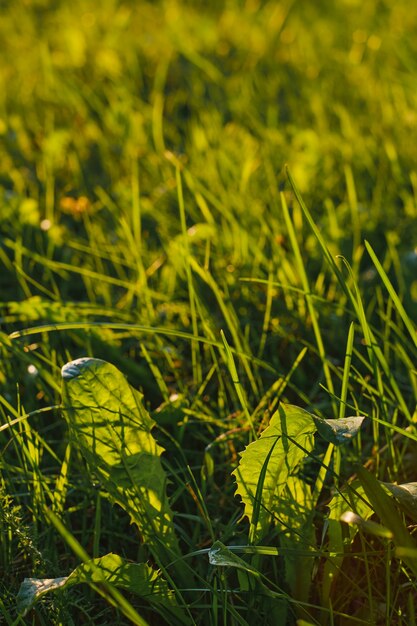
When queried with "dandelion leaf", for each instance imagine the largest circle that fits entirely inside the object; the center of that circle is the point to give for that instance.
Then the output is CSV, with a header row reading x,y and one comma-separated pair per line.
x,y
138,578
267,464
110,426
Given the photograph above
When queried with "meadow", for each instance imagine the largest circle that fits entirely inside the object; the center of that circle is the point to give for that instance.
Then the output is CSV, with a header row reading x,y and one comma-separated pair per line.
x,y
208,252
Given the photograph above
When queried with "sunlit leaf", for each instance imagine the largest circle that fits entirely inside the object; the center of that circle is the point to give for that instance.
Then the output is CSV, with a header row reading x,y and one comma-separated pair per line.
x,y
268,462
138,578
112,429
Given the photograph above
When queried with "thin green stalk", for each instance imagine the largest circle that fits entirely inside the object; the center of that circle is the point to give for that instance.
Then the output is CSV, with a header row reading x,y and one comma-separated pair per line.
x,y
238,386
267,313
343,394
310,304
396,300
156,373
230,318
346,370
354,211
197,374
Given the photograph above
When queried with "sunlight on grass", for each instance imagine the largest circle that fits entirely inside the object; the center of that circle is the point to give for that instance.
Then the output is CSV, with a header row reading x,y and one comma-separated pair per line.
x,y
219,201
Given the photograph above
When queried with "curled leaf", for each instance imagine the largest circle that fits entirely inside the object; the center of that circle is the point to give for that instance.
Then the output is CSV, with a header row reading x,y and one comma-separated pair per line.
x,y
221,556
406,496
339,431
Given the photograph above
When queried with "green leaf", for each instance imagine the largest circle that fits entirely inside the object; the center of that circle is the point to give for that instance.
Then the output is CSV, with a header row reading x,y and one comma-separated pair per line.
x,y
339,431
110,426
138,578
384,506
266,464
221,556
406,496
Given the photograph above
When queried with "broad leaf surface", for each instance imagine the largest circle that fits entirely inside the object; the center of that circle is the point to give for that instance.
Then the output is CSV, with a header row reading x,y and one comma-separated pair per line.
x,y
138,578
267,463
112,429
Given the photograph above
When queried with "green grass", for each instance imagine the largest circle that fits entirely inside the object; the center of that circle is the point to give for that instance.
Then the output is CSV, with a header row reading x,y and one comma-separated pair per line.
x,y
220,199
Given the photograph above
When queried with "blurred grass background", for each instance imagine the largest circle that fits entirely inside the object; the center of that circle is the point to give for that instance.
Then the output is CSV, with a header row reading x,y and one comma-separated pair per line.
x,y
230,86
92,100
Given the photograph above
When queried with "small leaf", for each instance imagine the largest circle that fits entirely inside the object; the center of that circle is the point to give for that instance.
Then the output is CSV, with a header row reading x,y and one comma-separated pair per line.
x,y
32,589
339,431
221,556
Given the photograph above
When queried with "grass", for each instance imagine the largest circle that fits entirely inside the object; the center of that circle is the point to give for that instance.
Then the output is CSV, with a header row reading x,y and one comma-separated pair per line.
x,y
220,199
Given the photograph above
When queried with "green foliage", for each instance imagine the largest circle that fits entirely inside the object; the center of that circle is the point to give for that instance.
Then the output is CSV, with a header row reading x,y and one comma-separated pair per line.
x,y
147,219
138,578
110,426
270,487
267,464
385,508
